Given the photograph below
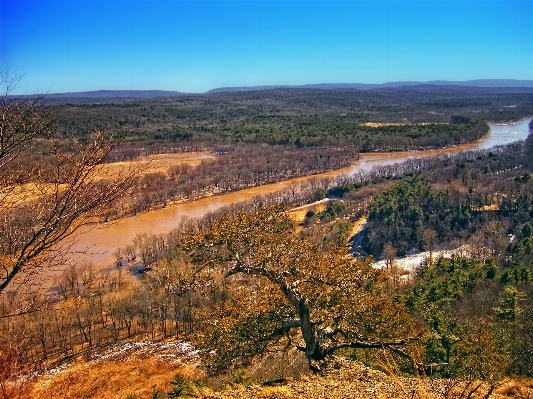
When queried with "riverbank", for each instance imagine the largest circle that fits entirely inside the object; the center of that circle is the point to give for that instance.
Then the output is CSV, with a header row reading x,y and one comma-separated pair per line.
x,y
514,122
98,243
363,162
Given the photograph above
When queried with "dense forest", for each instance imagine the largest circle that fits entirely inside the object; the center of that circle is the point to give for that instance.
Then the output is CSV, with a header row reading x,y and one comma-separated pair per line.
x,y
472,302
266,136
454,200
249,280
310,117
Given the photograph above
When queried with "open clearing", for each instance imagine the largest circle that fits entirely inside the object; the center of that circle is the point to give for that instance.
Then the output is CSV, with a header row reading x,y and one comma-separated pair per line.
x,y
158,163
298,214
161,163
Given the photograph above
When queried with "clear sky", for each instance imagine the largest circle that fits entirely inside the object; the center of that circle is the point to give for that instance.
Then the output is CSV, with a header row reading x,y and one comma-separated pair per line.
x,y
195,46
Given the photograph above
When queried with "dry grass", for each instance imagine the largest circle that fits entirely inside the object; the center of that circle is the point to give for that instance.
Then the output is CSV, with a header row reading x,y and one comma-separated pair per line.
x,y
522,388
493,207
158,163
355,382
357,225
143,372
275,392
298,214
377,124
13,196
138,372
109,379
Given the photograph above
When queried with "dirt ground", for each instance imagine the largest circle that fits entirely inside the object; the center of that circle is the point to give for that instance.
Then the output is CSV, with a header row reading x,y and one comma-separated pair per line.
x,y
298,214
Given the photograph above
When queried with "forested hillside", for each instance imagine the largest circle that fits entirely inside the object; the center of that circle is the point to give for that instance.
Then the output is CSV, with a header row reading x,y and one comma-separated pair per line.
x,y
304,117
251,280
467,316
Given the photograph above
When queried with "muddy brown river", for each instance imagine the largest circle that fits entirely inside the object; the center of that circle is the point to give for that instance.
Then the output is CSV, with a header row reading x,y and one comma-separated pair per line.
x,y
99,243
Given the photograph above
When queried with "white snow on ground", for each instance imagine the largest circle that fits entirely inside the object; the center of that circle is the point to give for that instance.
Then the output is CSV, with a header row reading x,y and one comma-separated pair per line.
x,y
411,262
178,351
167,350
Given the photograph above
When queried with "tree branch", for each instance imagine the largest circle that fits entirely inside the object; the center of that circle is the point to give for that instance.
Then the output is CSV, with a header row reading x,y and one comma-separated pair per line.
x,y
285,327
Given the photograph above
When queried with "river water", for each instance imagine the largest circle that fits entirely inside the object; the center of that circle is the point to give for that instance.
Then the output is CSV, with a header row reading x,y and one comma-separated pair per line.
x,y
99,243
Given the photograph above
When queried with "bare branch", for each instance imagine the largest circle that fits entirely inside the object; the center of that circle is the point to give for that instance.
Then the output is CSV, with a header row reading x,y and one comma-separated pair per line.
x,y
64,199
285,327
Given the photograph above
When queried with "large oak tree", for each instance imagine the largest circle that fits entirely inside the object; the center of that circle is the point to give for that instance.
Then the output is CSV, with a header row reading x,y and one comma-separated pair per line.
x,y
280,291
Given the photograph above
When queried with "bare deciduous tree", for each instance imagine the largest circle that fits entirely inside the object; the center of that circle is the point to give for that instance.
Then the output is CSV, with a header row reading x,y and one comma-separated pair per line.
x,y
44,202
11,367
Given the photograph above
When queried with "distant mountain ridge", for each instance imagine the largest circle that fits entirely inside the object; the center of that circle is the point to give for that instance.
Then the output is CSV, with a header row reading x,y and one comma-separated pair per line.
x,y
116,94
494,86
481,83
104,96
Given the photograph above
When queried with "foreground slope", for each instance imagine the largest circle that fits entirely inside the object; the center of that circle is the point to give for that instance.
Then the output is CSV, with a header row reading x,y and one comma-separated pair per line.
x,y
143,373
351,379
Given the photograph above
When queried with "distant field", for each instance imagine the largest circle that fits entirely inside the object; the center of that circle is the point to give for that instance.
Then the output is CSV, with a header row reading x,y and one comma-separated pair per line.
x,y
160,163
14,196
374,124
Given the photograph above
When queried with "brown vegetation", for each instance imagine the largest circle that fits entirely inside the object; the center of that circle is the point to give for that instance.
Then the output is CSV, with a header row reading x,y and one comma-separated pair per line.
x,y
244,285
158,163
140,368
343,378
69,192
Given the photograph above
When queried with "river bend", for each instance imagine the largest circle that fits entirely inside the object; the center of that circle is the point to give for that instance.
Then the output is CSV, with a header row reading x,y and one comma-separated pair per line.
x,y
98,244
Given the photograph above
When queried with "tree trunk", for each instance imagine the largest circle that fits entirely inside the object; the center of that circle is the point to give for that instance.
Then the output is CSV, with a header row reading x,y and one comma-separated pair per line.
x,y
313,350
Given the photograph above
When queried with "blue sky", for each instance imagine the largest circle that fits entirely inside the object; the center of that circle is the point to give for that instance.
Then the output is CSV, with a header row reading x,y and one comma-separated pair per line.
x,y
195,46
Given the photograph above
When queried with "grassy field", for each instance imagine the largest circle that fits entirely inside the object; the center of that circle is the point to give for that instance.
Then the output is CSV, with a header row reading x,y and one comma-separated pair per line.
x,y
160,163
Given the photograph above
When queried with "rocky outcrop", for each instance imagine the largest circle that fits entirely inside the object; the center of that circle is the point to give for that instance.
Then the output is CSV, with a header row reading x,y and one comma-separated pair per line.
x,y
351,379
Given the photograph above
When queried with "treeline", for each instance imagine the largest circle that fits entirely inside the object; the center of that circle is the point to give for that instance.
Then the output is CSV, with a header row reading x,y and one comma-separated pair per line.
x,y
454,201
348,130
299,117
232,167
235,167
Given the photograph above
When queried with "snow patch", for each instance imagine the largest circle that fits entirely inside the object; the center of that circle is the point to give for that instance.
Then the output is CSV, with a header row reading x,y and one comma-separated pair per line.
x,y
412,262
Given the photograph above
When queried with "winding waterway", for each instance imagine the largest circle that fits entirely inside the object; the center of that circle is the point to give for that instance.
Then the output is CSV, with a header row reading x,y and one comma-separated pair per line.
x,y
98,244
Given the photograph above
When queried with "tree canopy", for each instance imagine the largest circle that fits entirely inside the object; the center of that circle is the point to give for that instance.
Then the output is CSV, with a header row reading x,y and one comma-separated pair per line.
x,y
283,291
